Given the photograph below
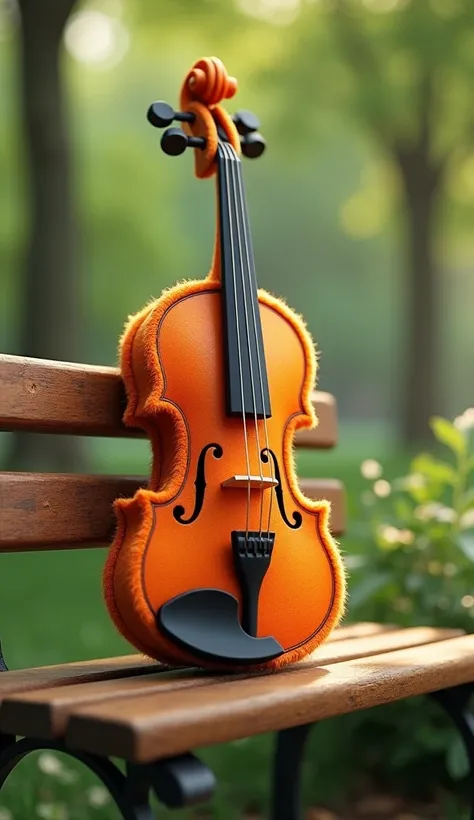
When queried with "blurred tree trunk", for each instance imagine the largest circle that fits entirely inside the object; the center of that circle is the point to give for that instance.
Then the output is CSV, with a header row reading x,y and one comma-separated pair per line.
x,y
421,176
49,327
420,401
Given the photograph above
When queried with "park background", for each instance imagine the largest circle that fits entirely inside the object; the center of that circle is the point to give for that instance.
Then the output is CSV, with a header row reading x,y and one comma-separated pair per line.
x,y
362,211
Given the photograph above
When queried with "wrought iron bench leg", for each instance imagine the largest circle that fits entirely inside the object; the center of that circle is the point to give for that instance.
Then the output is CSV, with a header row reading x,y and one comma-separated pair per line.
x,y
455,703
3,666
286,797
177,782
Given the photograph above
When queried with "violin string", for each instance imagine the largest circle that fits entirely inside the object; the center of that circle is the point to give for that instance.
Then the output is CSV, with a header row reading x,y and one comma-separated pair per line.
x,y
237,188
227,160
250,268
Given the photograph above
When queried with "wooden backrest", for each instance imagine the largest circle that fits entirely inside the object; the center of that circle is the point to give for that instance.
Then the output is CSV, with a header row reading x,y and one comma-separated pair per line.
x,y
51,511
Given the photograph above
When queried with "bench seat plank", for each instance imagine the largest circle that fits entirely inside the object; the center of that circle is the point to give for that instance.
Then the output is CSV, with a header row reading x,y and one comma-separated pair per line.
x,y
50,511
145,728
44,713
361,629
24,680
40,395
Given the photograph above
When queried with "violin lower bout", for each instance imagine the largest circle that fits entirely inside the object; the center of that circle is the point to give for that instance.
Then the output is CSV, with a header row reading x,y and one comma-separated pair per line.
x,y
177,536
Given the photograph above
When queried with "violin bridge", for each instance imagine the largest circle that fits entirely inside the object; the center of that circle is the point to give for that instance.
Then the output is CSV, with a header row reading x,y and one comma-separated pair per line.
x,y
242,482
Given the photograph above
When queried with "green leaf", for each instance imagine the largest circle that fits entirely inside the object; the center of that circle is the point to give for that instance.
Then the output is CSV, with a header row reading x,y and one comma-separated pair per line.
x,y
369,586
445,432
434,469
465,541
456,759
467,500
403,509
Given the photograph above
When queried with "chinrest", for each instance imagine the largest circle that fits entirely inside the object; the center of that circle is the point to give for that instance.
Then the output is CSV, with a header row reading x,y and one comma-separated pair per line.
x,y
206,623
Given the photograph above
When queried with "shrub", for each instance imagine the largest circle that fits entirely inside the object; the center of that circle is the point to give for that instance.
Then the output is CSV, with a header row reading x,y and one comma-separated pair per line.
x,y
412,563
417,562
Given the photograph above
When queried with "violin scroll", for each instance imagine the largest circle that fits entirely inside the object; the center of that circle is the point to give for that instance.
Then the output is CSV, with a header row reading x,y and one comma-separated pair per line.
x,y
208,83
204,120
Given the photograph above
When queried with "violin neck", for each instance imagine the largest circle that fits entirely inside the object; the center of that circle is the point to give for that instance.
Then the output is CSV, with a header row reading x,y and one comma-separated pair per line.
x,y
247,381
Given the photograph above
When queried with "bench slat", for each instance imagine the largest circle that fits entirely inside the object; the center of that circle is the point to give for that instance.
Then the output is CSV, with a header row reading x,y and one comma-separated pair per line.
x,y
45,713
362,629
39,395
25,680
145,728
49,511
66,674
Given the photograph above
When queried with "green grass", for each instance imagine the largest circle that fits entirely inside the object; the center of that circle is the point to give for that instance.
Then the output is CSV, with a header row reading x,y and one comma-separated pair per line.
x,y
52,612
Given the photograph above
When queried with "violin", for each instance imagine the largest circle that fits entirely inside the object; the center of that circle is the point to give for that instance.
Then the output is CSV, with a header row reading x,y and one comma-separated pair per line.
x,y
221,561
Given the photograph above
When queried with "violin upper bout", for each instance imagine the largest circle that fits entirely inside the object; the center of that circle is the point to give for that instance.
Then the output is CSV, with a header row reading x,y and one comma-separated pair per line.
x,y
307,365
140,366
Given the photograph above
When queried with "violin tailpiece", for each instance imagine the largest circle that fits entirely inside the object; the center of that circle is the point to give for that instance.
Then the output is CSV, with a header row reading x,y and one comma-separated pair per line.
x,y
252,553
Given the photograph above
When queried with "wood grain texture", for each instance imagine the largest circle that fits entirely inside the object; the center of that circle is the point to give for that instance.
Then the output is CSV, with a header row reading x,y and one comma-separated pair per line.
x,y
149,727
362,629
45,713
24,680
40,395
49,511
66,674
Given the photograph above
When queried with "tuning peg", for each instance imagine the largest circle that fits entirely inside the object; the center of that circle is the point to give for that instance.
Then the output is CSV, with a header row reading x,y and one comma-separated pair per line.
x,y
174,142
160,115
253,145
246,122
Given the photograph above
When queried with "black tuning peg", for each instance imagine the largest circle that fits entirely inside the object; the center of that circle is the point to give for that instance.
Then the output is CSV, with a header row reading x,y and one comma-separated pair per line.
x,y
174,142
246,122
160,115
253,145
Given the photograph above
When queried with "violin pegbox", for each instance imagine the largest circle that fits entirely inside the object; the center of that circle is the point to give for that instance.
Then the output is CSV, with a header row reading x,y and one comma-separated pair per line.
x,y
205,121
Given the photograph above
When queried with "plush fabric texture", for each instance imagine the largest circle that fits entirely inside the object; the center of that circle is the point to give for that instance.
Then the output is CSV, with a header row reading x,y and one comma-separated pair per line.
x,y
127,575
205,86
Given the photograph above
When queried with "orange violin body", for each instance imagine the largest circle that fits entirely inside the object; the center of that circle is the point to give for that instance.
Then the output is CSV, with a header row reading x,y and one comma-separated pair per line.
x,y
221,561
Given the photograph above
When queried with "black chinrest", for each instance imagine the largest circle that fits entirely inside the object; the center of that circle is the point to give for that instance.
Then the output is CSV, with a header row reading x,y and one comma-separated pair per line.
x,y
206,622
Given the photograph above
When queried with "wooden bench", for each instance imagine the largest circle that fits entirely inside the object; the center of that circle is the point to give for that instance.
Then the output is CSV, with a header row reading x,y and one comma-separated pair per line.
x,y
152,716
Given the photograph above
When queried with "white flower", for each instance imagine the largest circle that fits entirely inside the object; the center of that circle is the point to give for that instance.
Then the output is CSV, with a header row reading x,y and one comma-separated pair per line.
x,y
465,421
382,488
414,481
52,811
68,776
50,764
371,469
446,515
97,796
467,520
426,512
392,535
467,601
434,511
5,814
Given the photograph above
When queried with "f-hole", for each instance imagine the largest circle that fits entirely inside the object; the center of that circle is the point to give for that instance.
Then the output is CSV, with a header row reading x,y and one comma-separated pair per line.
x,y
200,484
296,516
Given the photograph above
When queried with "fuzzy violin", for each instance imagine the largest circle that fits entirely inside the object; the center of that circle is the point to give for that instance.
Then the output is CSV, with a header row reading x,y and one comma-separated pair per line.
x,y
221,561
